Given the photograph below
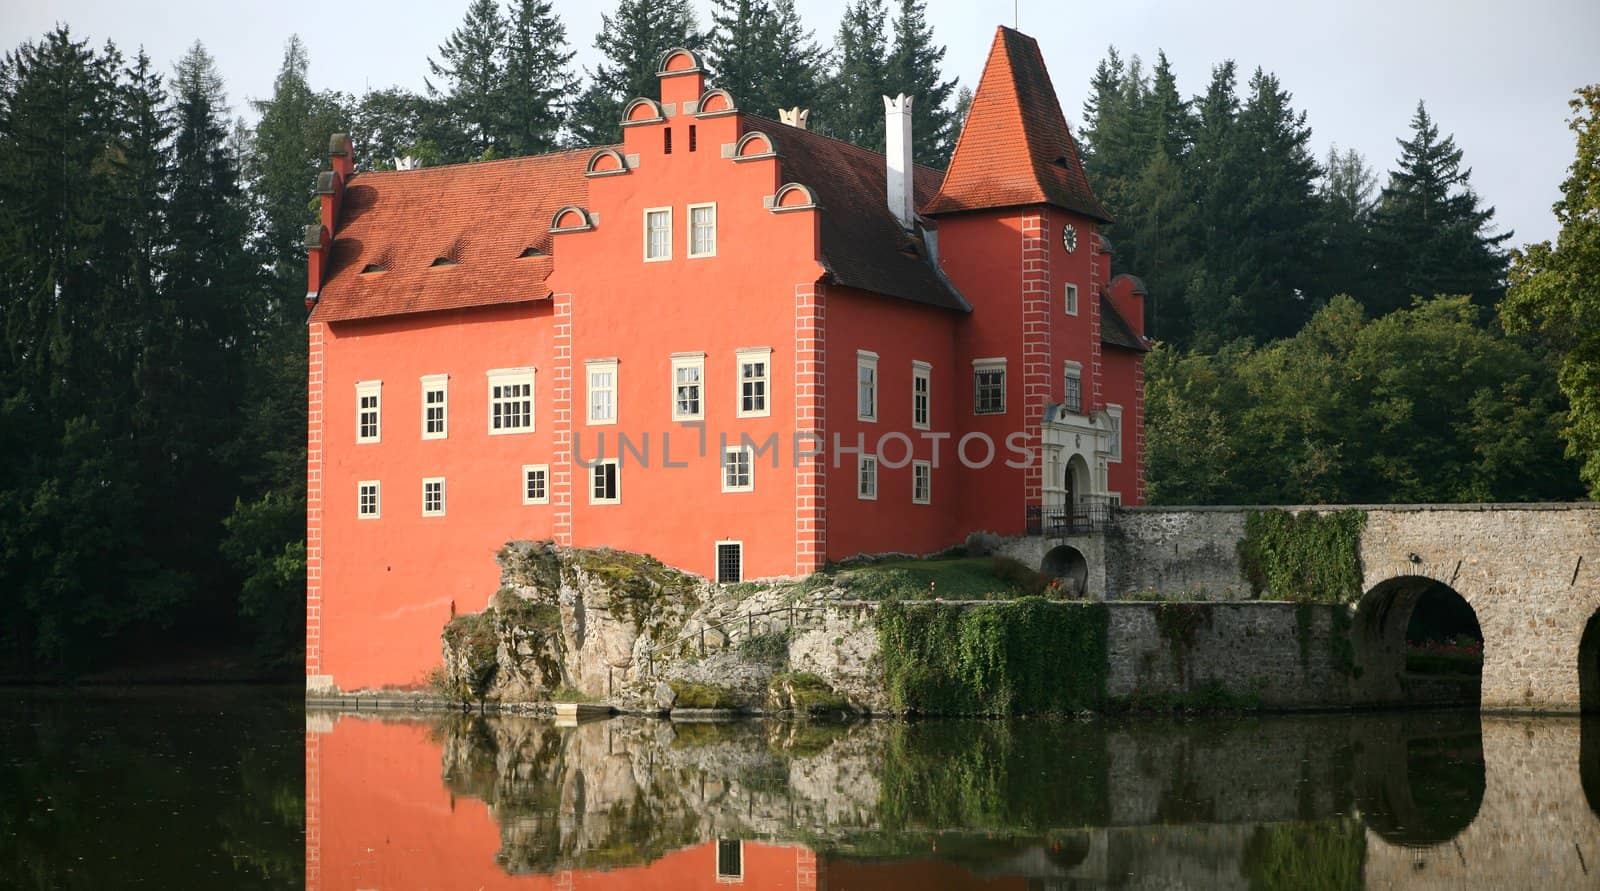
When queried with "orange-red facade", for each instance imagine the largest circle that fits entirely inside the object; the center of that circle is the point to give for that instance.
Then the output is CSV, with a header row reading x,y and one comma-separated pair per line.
x,y
717,280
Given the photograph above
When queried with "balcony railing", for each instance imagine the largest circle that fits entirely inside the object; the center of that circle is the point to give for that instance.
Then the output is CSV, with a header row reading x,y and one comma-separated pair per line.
x,y
1088,516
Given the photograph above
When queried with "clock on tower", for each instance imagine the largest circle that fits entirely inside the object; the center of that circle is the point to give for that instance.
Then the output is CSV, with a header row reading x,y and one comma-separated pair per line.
x,y
1069,237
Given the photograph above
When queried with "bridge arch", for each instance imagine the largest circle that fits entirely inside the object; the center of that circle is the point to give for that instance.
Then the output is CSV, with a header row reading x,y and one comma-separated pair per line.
x,y
1417,639
1067,563
1422,783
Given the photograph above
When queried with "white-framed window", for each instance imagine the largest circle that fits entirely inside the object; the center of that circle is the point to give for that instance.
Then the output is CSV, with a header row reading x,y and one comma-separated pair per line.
x,y
435,406
535,484
1072,387
605,483
433,497
1114,415
369,411
730,570
368,500
867,477
866,385
1069,298
921,391
755,372
1115,498
703,230
688,386
510,400
738,469
602,375
657,233
989,386
921,482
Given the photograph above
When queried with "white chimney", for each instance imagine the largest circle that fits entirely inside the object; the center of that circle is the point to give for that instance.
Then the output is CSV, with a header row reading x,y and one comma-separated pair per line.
x,y
897,153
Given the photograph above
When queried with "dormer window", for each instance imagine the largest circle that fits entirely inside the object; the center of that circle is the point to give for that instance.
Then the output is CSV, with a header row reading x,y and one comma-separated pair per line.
x,y
442,261
531,251
372,267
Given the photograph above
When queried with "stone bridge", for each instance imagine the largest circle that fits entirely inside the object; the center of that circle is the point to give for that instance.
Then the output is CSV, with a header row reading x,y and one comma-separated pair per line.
x,y
1530,572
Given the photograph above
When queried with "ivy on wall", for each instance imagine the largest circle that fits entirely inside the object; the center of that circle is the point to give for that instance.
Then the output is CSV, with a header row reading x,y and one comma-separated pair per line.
x,y
1309,557
1029,656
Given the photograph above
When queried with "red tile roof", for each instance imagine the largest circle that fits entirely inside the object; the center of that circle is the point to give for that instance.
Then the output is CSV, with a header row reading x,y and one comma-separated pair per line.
x,y
482,216
1015,148
1115,330
863,245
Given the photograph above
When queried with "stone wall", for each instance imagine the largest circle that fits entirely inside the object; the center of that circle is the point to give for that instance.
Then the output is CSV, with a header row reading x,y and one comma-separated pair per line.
x,y
1256,652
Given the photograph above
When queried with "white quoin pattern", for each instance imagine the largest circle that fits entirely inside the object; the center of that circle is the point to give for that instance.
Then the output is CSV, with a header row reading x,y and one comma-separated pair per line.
x,y
897,153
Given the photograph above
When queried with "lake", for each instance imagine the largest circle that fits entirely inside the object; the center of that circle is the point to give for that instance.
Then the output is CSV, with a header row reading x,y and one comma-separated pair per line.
x,y
241,788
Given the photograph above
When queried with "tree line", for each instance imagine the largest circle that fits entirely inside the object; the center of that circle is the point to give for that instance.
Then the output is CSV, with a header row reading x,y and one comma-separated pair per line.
x,y
152,401
1323,336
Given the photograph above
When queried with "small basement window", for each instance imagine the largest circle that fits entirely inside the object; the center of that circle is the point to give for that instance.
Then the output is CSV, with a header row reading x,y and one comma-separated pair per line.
x,y
730,570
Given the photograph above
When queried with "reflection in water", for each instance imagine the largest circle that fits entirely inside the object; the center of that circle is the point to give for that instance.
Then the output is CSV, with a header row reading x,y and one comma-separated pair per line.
x,y
1403,800
163,788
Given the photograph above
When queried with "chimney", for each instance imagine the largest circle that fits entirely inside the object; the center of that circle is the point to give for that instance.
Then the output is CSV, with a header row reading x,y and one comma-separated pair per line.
x,y
795,117
897,153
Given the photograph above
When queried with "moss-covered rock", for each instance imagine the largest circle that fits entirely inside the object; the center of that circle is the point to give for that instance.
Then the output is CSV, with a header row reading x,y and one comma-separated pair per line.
x,y
693,694
806,694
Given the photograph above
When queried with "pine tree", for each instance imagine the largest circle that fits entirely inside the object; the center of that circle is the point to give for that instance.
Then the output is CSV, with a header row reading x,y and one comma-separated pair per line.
x,y
741,50
860,79
1167,114
1219,174
287,150
914,70
1346,198
1155,243
212,279
472,68
1431,235
795,79
1277,246
539,87
81,521
632,41
392,124
1102,107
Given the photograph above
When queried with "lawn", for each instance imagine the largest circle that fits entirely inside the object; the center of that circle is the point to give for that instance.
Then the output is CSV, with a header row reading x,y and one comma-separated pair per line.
x,y
949,578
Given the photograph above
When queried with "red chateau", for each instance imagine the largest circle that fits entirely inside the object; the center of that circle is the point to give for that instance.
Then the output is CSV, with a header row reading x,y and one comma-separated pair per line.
x,y
731,343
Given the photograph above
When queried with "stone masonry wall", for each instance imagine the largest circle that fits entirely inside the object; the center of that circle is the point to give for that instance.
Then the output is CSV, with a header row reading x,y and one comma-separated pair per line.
x,y
1249,650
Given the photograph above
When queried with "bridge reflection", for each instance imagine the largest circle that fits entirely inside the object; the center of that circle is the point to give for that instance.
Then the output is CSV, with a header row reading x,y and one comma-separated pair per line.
x,y
1414,800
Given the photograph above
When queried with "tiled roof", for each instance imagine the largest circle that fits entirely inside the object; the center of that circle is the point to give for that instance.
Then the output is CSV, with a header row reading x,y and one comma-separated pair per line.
x,y
1015,148
1115,330
863,245
484,217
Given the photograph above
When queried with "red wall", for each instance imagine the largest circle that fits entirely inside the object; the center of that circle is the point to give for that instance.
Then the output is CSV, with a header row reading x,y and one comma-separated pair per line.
x,y
643,312
388,583
899,332
387,821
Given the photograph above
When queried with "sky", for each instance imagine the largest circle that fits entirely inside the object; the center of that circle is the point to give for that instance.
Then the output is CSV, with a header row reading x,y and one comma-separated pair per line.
x,y
1496,75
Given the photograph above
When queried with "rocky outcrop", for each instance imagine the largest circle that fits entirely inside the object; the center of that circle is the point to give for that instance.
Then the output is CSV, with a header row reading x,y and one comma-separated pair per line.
x,y
573,624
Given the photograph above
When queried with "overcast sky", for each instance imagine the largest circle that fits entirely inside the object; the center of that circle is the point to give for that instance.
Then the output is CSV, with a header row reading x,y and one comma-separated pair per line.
x,y
1497,75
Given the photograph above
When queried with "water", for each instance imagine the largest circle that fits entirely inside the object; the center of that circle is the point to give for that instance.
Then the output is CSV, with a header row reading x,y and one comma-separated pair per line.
x,y
206,789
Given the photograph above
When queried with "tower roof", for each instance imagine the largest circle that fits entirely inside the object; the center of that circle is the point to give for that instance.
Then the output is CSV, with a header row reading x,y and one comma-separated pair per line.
x,y
1015,148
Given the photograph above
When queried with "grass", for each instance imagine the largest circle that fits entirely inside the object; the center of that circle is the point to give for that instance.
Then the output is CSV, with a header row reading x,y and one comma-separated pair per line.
x,y
948,578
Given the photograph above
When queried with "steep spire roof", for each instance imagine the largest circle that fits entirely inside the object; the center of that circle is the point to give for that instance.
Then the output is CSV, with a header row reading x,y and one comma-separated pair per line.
x,y
1015,148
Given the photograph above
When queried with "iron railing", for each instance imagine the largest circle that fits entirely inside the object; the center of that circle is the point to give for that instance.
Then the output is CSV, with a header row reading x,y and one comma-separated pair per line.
x,y
1086,517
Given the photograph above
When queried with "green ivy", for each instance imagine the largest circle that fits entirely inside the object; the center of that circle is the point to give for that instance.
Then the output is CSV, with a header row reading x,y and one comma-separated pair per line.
x,y
1309,556
1179,624
1029,656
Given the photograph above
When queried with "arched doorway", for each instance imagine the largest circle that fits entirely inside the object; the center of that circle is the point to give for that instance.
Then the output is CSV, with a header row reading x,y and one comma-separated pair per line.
x,y
1076,480
1417,641
1067,564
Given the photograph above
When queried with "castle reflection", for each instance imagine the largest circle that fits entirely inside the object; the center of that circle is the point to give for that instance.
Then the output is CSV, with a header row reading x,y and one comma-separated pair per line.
x,y
1428,799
